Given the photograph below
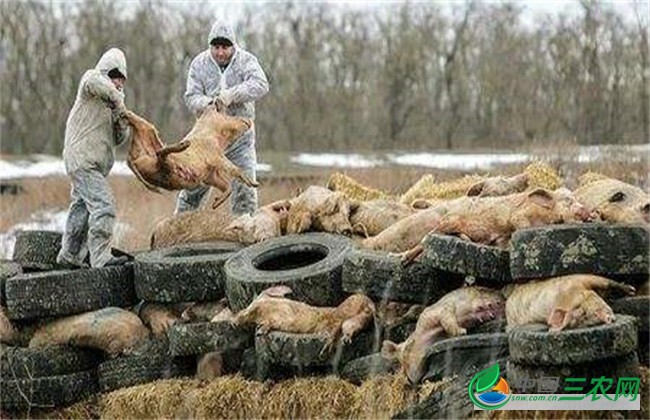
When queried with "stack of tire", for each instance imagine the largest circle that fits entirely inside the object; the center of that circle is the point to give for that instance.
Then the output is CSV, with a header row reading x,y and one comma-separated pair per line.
x,y
35,290
446,264
190,273
616,252
311,265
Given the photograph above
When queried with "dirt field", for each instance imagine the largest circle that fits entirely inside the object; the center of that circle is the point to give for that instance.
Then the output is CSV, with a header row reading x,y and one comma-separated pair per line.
x,y
140,210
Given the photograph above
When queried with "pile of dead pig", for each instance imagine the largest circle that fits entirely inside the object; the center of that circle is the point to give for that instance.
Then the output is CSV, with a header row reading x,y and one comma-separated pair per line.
x,y
345,281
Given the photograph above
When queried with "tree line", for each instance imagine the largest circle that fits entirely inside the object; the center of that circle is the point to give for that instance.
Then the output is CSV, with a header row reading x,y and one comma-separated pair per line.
x,y
406,76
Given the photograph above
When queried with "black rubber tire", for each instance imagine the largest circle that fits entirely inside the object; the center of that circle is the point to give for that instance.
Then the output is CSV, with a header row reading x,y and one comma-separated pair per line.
x,y
147,365
488,265
464,354
69,292
534,345
618,252
639,307
382,276
203,337
362,368
47,391
316,280
622,366
37,249
23,362
301,352
8,269
185,273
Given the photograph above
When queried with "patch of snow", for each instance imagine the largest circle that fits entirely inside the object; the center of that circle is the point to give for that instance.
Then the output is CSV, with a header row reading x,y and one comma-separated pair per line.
x,y
263,167
40,166
456,160
336,160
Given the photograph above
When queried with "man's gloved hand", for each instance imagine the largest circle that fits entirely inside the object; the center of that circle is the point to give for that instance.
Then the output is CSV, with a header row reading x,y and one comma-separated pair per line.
x,y
118,110
224,97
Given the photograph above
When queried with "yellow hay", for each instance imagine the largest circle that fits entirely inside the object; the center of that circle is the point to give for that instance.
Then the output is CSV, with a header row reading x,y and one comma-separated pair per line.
x,y
542,175
328,397
227,397
589,177
381,397
352,189
160,399
444,190
425,183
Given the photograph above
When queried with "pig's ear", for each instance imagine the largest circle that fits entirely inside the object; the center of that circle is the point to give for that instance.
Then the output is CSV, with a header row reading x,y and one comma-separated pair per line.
x,y
541,197
558,319
475,189
617,197
389,350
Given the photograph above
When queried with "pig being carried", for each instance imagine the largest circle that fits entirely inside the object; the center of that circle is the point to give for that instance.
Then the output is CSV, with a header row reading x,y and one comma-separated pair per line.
x,y
449,317
198,159
562,302
271,311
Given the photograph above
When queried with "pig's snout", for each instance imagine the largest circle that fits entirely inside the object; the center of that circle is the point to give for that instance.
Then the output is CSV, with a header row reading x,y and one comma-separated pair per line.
x,y
645,210
581,213
347,231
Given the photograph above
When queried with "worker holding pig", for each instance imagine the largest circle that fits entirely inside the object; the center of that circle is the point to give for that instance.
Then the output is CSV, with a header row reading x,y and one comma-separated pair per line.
x,y
230,77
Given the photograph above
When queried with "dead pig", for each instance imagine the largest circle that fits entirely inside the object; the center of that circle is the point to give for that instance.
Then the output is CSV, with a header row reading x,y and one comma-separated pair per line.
x,y
499,186
8,333
448,317
207,312
406,233
271,311
562,302
319,209
210,366
192,227
113,330
159,317
201,153
369,218
493,220
615,201
267,222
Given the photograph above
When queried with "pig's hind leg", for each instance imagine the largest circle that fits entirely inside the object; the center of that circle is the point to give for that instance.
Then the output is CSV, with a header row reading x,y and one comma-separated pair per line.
x,y
602,283
412,255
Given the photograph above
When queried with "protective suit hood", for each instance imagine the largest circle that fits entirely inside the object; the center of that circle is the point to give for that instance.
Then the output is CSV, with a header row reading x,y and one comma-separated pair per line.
x,y
113,58
222,30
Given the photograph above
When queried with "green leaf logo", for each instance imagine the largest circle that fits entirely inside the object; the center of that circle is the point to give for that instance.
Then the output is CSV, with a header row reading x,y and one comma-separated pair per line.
x,y
483,381
486,379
